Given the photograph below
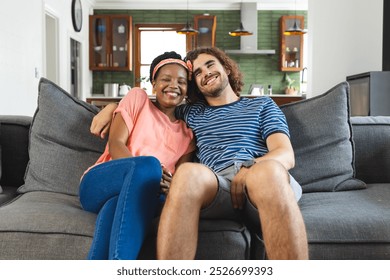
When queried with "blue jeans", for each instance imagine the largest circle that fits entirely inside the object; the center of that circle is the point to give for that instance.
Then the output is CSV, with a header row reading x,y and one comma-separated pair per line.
x,y
125,195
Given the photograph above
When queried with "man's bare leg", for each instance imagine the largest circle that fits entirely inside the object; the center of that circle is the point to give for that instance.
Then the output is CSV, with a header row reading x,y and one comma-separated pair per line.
x,y
282,224
193,187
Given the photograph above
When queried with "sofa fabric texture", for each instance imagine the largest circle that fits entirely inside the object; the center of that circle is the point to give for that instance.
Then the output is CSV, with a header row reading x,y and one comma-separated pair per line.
x,y
45,225
321,136
344,217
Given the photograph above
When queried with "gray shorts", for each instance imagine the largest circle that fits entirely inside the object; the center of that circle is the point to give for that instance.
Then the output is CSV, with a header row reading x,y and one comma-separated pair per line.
x,y
222,206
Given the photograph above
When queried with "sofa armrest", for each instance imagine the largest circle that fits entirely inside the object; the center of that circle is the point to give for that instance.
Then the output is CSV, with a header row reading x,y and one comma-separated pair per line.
x,y
371,137
14,137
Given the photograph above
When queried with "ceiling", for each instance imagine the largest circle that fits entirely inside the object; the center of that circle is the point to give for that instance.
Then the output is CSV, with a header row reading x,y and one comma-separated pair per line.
x,y
198,4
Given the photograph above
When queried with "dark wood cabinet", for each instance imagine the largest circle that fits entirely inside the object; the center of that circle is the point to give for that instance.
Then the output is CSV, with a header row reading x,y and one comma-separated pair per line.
x,y
206,25
110,43
291,46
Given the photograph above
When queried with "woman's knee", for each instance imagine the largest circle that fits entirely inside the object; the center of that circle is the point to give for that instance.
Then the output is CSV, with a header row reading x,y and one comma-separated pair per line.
x,y
108,179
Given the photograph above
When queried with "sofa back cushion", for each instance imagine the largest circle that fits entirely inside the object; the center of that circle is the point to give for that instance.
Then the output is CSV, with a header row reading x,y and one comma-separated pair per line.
x,y
321,136
371,135
61,146
14,154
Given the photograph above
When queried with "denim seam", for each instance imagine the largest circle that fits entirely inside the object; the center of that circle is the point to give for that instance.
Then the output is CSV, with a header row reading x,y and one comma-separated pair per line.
x,y
127,183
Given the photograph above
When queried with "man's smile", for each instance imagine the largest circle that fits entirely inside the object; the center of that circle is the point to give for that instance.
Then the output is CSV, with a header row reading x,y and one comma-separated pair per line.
x,y
210,79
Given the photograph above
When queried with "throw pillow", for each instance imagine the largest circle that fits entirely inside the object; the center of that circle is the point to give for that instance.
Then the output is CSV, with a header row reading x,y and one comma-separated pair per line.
x,y
61,146
321,135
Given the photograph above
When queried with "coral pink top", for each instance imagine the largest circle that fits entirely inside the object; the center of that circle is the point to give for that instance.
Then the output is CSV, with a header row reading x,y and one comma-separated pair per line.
x,y
151,133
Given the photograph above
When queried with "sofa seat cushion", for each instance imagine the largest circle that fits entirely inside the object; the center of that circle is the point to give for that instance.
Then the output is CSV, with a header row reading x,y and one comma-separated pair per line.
x,y
8,194
45,225
61,145
217,240
360,217
321,136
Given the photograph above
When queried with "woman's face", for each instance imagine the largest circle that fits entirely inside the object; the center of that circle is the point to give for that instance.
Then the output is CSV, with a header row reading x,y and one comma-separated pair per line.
x,y
170,85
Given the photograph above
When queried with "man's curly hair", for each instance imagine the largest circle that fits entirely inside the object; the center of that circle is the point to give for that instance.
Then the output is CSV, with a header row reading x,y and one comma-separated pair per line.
x,y
235,76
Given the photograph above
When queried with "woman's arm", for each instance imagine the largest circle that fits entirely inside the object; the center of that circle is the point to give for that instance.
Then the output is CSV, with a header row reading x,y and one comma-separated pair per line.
x,y
189,156
101,122
118,137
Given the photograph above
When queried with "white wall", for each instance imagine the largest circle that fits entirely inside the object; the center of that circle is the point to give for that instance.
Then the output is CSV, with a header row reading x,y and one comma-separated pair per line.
x,y
21,51
345,38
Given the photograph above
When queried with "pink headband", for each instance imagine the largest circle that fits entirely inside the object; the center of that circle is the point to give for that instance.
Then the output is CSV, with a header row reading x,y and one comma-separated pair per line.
x,y
187,66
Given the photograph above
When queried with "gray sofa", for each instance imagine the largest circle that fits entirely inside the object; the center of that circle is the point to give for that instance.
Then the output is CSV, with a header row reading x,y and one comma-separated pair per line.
x,y
342,163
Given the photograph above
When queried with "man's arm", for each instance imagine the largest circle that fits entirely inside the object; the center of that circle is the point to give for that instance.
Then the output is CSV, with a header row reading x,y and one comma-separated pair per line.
x,y
280,149
101,123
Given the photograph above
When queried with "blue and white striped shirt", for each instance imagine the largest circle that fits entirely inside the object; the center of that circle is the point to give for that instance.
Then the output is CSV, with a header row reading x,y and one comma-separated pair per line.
x,y
233,132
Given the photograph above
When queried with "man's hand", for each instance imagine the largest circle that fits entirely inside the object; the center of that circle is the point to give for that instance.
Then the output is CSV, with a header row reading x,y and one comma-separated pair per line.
x,y
238,188
101,122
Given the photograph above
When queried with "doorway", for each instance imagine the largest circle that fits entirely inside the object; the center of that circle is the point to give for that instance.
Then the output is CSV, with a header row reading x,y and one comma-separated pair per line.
x,y
75,68
51,48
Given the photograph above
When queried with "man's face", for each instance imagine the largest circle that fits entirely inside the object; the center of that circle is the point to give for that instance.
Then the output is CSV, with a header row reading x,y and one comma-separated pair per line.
x,y
210,76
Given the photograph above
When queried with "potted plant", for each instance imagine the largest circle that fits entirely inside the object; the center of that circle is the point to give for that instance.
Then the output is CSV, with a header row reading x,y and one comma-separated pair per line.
x,y
290,89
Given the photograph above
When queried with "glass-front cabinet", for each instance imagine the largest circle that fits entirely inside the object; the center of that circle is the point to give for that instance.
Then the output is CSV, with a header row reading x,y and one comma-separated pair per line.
x,y
206,25
291,46
110,42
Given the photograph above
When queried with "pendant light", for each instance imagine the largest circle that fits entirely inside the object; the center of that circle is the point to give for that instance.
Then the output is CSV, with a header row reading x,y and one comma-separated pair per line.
x,y
241,30
295,29
187,30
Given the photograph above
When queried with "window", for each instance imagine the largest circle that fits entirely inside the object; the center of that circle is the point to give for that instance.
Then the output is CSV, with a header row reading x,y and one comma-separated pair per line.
x,y
151,41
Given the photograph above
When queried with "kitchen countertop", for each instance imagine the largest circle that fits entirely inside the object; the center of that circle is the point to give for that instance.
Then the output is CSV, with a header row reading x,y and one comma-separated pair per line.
x,y
280,99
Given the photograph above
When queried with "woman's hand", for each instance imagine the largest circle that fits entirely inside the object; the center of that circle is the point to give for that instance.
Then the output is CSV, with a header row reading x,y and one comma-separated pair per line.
x,y
102,121
166,180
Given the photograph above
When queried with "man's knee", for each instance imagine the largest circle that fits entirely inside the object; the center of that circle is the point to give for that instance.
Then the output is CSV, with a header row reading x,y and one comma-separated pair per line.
x,y
268,170
193,181
267,180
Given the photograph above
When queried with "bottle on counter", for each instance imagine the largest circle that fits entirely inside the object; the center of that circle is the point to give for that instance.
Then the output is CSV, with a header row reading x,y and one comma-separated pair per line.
x,y
269,90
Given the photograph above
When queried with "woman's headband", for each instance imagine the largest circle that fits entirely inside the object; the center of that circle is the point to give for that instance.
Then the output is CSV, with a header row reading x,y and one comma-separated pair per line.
x,y
187,66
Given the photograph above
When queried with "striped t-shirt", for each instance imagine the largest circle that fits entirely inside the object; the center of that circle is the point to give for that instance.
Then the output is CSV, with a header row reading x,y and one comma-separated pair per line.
x,y
233,132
